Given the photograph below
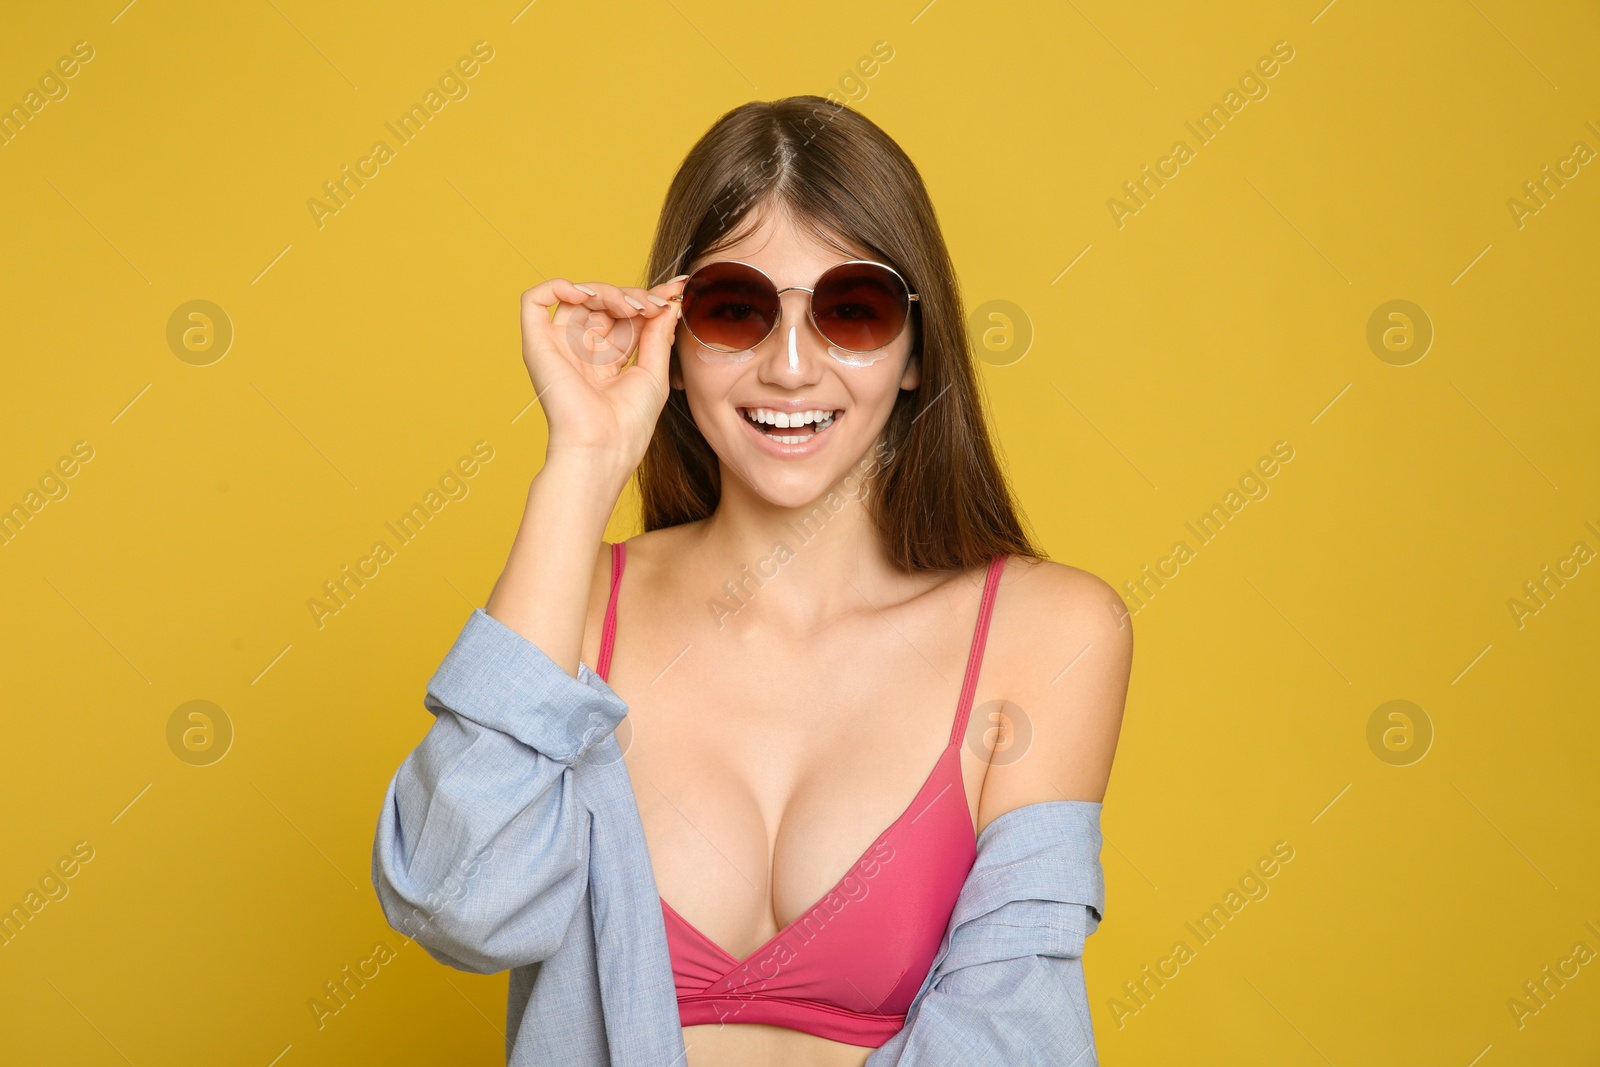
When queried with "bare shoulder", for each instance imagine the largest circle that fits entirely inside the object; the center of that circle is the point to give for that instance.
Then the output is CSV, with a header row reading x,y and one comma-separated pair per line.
x,y
1055,604
1064,656
649,555
645,555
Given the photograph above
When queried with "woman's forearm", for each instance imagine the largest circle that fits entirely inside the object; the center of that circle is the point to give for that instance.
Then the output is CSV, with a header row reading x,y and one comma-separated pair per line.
x,y
543,593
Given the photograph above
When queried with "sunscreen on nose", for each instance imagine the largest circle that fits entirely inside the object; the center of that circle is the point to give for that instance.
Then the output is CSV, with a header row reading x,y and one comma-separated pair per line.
x,y
794,353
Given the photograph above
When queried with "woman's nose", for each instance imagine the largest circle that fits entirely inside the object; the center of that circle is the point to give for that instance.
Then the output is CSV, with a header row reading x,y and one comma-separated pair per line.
x,y
794,355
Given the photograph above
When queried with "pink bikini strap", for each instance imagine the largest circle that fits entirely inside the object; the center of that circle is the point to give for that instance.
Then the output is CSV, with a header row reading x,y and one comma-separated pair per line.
x,y
980,637
608,634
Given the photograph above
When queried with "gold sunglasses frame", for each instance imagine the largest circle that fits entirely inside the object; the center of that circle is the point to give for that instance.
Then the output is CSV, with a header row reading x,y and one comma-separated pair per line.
x,y
811,313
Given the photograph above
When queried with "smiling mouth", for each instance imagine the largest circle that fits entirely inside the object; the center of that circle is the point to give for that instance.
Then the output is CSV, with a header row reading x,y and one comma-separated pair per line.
x,y
790,429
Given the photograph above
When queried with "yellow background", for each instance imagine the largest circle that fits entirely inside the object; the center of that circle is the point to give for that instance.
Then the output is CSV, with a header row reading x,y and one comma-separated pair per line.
x,y
1228,314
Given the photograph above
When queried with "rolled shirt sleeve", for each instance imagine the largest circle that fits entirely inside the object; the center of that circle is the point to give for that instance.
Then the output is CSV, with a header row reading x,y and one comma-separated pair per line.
x,y
482,847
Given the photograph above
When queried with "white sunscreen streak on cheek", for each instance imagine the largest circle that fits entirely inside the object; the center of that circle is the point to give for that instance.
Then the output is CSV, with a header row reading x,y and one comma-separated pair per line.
x,y
794,353
856,359
710,356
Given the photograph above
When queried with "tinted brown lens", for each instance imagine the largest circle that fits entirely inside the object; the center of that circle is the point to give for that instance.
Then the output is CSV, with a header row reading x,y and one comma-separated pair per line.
x,y
860,307
729,307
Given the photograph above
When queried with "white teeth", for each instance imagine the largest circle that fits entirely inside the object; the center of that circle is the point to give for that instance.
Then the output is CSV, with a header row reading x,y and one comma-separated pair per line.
x,y
785,419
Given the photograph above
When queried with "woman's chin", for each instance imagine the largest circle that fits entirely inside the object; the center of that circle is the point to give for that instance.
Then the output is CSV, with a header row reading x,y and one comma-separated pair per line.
x,y
789,488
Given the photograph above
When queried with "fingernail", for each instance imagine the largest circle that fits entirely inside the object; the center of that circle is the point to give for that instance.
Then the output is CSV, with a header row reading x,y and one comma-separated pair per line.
x,y
656,300
584,289
632,301
679,278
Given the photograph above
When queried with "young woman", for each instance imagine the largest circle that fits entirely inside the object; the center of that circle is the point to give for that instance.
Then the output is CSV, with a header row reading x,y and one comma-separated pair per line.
x,y
843,665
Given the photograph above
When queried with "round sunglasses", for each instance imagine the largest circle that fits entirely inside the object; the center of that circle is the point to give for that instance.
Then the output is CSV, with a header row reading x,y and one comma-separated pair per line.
x,y
859,305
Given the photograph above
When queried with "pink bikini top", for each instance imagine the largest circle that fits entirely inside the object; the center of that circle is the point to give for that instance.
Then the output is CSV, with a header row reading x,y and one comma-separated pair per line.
x,y
847,967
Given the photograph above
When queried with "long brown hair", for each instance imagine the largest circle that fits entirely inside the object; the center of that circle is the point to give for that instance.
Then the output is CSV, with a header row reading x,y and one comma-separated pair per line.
x,y
938,499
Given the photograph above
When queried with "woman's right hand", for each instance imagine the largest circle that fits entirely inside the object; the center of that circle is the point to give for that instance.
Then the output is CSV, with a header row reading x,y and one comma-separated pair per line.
x,y
598,405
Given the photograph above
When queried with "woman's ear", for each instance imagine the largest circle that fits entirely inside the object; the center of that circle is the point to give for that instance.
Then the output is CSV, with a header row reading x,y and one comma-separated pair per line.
x,y
912,375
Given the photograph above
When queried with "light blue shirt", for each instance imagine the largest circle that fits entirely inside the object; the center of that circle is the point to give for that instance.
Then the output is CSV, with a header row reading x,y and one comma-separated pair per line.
x,y
510,840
